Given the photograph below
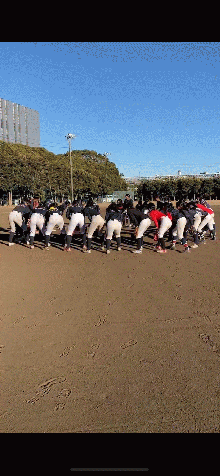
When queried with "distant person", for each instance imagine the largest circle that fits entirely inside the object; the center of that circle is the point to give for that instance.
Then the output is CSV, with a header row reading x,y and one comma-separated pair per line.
x,y
128,202
139,204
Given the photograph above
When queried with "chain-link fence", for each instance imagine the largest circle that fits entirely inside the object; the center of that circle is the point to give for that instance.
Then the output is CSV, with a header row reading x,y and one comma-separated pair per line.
x,y
121,194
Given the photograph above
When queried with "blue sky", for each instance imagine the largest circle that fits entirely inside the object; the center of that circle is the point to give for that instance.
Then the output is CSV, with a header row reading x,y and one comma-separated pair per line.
x,y
153,106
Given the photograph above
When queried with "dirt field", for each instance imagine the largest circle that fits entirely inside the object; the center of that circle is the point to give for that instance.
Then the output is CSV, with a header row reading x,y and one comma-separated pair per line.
x,y
118,343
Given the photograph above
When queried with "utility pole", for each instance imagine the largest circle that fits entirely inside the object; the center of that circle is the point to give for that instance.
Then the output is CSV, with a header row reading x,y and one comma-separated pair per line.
x,y
69,137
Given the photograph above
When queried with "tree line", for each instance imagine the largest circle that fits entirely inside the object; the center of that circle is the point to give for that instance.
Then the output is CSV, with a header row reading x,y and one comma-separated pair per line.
x,y
180,188
27,171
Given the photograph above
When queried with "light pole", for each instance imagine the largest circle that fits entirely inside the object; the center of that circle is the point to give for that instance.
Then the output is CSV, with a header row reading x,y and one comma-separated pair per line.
x,y
106,161
69,137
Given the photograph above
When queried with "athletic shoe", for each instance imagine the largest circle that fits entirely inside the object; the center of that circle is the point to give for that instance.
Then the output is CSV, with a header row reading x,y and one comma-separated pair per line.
x,y
11,244
194,246
173,247
87,251
32,247
158,247
102,248
107,252
187,250
137,251
119,249
66,249
46,248
161,251
27,242
84,249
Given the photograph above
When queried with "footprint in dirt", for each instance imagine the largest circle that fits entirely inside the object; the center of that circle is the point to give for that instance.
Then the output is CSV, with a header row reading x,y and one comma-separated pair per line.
x,y
128,344
67,351
65,393
44,388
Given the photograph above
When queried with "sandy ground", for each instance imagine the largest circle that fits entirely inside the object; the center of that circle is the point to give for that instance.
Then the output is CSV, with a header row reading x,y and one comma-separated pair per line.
x,y
118,343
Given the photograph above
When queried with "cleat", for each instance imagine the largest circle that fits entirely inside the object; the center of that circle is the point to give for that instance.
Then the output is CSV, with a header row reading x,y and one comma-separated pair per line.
x,y
107,252
32,247
137,251
84,249
11,244
27,242
187,250
65,249
161,251
87,251
119,249
194,246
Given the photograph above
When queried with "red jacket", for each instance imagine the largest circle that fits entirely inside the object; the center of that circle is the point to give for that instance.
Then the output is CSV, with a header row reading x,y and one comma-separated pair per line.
x,y
156,216
205,209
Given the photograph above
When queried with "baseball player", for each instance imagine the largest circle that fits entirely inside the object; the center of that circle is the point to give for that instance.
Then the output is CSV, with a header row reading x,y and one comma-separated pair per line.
x,y
163,221
207,220
37,220
75,213
53,217
196,215
18,218
113,220
183,220
92,211
141,222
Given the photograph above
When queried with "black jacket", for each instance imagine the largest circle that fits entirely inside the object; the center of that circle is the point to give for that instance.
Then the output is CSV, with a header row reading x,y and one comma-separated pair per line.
x,y
136,216
73,209
40,210
91,211
113,215
25,211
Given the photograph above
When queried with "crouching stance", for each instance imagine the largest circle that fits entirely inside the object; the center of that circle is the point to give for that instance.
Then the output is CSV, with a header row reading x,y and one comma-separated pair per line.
x,y
163,222
18,218
37,220
113,220
92,211
141,221
54,217
75,215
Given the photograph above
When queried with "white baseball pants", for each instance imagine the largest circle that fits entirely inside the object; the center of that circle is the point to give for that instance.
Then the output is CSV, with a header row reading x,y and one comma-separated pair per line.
x,y
113,226
197,221
55,219
15,218
37,220
165,224
77,219
96,223
179,228
144,225
208,220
